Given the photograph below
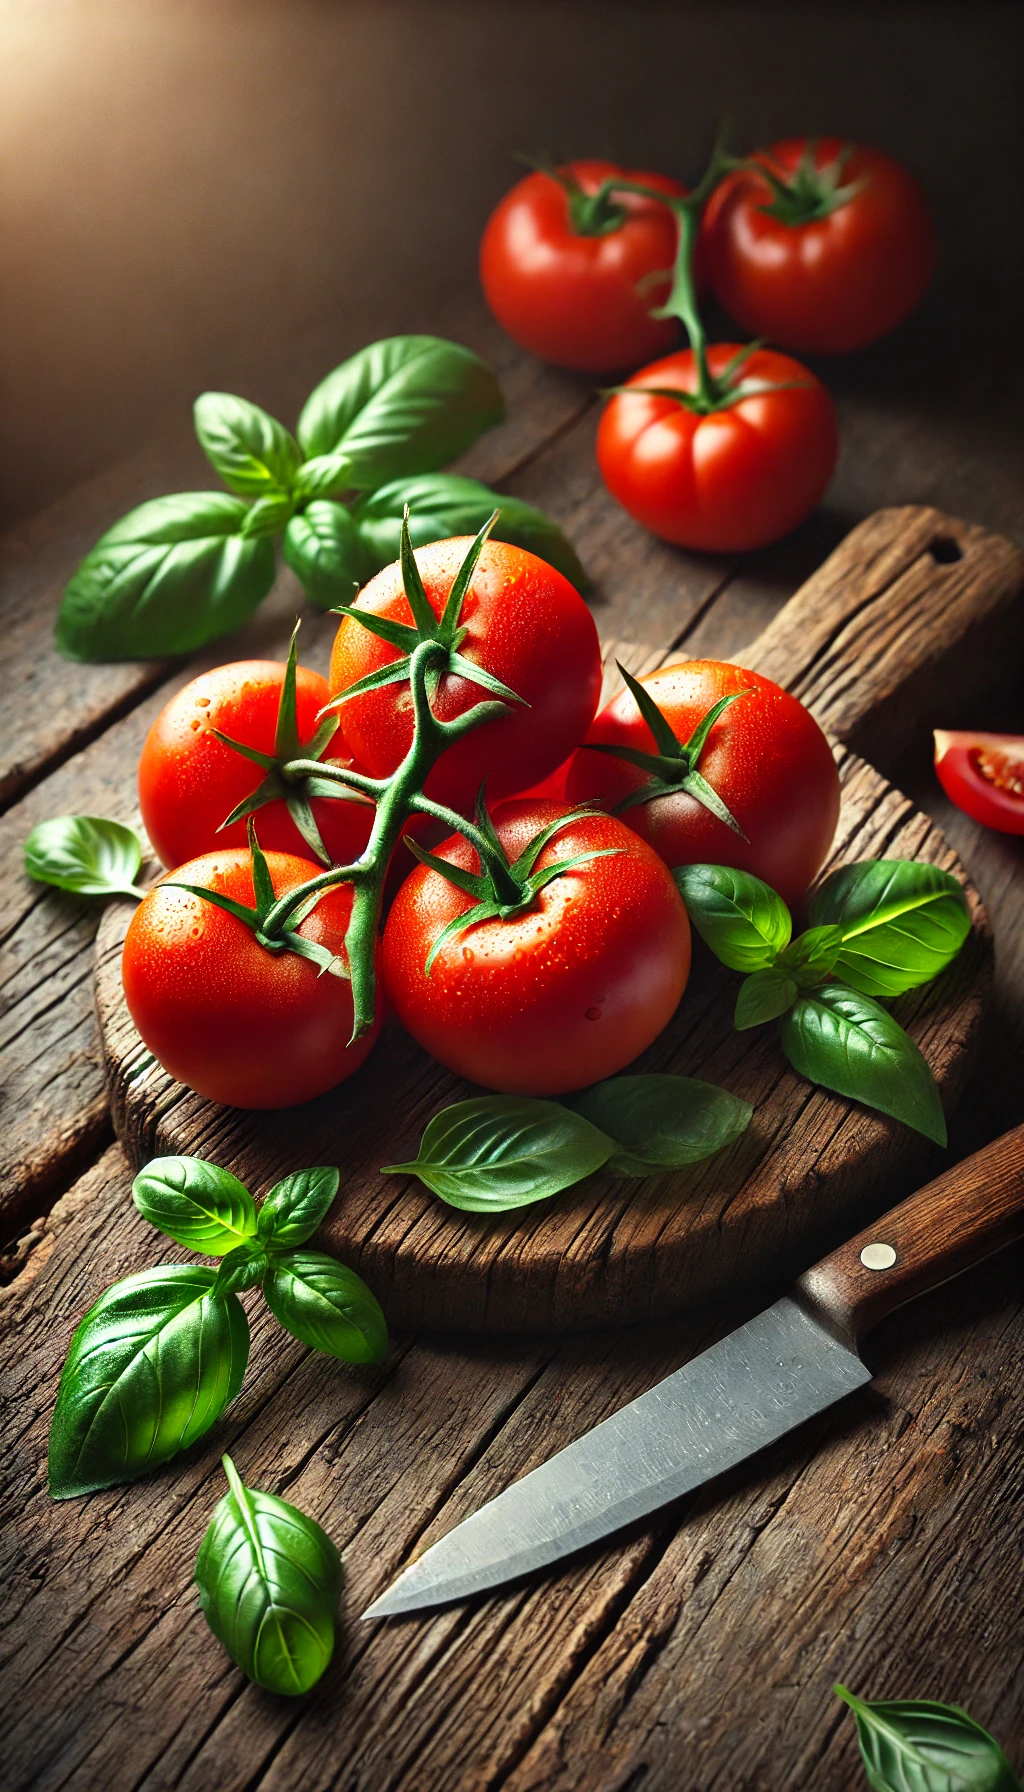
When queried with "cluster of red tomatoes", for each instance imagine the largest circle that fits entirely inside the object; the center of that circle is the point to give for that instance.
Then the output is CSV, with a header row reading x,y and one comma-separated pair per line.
x,y
551,993
816,247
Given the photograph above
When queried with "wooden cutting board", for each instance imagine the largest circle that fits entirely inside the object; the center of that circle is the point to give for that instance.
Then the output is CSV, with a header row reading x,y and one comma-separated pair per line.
x,y
894,626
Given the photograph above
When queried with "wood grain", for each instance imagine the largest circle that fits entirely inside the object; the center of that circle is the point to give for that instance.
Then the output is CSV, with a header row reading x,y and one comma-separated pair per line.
x,y
811,1165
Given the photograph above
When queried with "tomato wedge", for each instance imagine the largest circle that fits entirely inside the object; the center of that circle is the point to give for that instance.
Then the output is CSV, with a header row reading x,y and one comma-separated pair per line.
x,y
983,774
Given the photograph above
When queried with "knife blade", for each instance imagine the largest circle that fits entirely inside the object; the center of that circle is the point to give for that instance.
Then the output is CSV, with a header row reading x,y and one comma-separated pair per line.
x,y
779,1369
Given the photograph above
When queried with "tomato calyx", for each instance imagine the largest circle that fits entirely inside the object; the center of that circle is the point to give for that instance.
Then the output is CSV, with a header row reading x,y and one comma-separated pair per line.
x,y
590,214
674,767
503,887
445,630
811,192
287,939
716,391
282,781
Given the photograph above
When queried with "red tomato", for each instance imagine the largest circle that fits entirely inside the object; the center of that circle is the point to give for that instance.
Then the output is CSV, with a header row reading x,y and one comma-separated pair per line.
x,y
983,774
236,1023
189,781
765,756
525,624
561,995
729,480
581,297
829,277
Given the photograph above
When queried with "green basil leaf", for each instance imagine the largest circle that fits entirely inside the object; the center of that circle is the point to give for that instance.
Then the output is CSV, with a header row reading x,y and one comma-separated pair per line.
x,y
743,921
325,476
253,453
151,1367
326,1305
404,405
846,1042
295,1207
764,995
662,1122
269,1580
268,516
322,547
197,1204
86,854
916,1745
811,956
170,576
446,504
242,1268
497,1152
902,923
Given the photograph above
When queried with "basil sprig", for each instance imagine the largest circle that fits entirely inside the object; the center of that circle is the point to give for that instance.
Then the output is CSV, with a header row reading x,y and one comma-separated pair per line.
x,y
498,1152
917,1745
160,1355
180,571
269,1580
880,928
85,854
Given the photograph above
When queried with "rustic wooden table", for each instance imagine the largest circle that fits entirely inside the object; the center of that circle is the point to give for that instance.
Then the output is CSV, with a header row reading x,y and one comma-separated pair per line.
x,y
878,1545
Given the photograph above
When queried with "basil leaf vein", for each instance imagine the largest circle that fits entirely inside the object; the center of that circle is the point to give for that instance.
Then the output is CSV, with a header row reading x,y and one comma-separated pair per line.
x,y
496,1152
196,1203
902,922
918,1745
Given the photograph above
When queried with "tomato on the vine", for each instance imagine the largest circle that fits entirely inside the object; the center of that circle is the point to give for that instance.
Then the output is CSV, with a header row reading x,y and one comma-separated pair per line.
x,y
983,774
235,1022
726,479
573,275
522,623
189,781
822,248
765,758
564,990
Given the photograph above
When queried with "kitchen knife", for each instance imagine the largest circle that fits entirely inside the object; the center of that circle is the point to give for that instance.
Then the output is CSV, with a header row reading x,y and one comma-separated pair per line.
x,y
790,1362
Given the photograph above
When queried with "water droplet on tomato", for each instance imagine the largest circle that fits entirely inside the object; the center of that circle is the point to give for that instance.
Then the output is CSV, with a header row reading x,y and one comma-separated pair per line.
x,y
468,954
593,1013
202,702
196,724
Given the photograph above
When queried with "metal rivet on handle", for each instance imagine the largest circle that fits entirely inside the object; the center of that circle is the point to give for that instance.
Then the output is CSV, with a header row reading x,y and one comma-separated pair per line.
x,y
878,1256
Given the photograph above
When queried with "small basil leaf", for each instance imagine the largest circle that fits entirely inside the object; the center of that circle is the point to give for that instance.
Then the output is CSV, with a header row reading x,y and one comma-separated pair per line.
x,y
170,576
916,1745
662,1122
404,405
764,995
253,453
197,1204
902,922
325,476
242,1268
496,1152
295,1207
743,921
811,956
846,1042
269,1580
86,854
322,547
151,1367
446,504
268,516
326,1305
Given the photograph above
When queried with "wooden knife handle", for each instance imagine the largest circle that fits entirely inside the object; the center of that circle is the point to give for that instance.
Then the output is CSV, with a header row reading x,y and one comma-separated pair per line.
x,y
956,1221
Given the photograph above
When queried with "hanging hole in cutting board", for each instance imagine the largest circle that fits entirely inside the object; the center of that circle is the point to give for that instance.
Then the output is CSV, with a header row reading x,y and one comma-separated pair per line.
x,y
945,551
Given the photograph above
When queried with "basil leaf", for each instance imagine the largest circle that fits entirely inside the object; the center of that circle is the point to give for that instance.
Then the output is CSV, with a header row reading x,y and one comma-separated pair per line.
x,y
151,1367
764,995
326,1305
197,1204
810,958
662,1122
322,547
268,516
404,405
902,922
497,1152
170,576
846,1042
269,1580
446,504
86,854
916,1745
295,1207
325,476
253,453
743,921
242,1268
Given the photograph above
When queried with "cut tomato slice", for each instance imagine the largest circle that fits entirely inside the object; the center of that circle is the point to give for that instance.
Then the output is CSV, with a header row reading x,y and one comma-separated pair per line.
x,y
983,774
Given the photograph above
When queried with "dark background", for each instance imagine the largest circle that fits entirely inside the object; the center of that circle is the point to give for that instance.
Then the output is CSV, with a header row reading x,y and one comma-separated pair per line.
x,y
204,193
